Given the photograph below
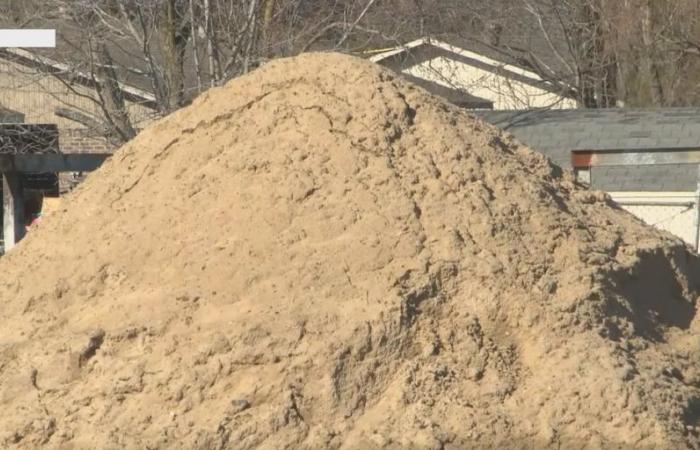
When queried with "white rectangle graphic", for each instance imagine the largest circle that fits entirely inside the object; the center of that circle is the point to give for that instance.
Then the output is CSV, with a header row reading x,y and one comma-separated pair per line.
x,y
28,38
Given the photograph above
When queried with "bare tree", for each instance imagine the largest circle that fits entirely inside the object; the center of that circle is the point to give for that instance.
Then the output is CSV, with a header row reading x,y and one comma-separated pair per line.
x,y
159,45
172,49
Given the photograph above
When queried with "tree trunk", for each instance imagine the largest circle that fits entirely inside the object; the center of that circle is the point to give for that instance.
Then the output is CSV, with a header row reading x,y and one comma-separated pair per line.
x,y
609,67
597,65
651,55
587,45
251,35
268,13
195,47
174,34
112,97
214,75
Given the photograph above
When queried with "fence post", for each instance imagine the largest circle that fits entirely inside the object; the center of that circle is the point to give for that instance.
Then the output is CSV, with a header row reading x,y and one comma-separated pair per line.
x,y
13,209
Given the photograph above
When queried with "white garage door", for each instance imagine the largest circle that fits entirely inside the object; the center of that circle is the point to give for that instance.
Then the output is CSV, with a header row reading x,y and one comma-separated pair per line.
x,y
675,212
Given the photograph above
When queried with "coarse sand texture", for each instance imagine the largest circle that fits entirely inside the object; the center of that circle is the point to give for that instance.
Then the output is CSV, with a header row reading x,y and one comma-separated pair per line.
x,y
320,255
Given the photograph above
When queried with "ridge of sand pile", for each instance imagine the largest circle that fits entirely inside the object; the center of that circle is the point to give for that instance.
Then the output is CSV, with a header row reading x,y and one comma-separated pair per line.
x,y
320,255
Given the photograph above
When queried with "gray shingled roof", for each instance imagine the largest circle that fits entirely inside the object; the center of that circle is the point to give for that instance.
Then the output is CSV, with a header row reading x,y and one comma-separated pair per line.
x,y
10,116
557,132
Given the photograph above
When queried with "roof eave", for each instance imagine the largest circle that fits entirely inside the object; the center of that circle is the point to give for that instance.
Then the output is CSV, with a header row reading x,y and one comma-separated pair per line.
x,y
29,59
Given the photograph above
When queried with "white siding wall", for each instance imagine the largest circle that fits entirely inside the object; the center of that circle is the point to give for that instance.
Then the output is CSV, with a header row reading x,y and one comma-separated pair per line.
x,y
503,91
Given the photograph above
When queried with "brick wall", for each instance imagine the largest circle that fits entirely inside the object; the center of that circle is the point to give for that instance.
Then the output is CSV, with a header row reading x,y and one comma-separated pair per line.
x,y
81,140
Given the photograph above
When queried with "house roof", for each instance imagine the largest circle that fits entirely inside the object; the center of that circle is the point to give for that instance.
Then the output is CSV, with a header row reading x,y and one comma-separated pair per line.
x,y
426,48
69,59
46,64
457,97
558,132
72,55
427,42
10,116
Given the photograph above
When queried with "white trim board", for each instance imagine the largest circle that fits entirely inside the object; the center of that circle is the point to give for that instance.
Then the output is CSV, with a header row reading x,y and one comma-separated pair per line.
x,y
28,38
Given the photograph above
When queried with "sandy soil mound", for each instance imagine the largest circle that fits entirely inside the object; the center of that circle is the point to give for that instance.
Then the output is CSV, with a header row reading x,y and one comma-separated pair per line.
x,y
320,255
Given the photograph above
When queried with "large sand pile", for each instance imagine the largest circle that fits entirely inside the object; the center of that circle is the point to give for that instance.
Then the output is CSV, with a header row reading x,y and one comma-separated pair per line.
x,y
320,255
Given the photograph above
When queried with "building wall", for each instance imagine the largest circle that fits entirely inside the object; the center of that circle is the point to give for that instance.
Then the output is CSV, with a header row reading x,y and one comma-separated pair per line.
x,y
82,140
675,212
37,96
505,93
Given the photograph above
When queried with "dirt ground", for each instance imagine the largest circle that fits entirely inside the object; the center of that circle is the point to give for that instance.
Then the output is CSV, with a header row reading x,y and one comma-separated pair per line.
x,y
320,255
